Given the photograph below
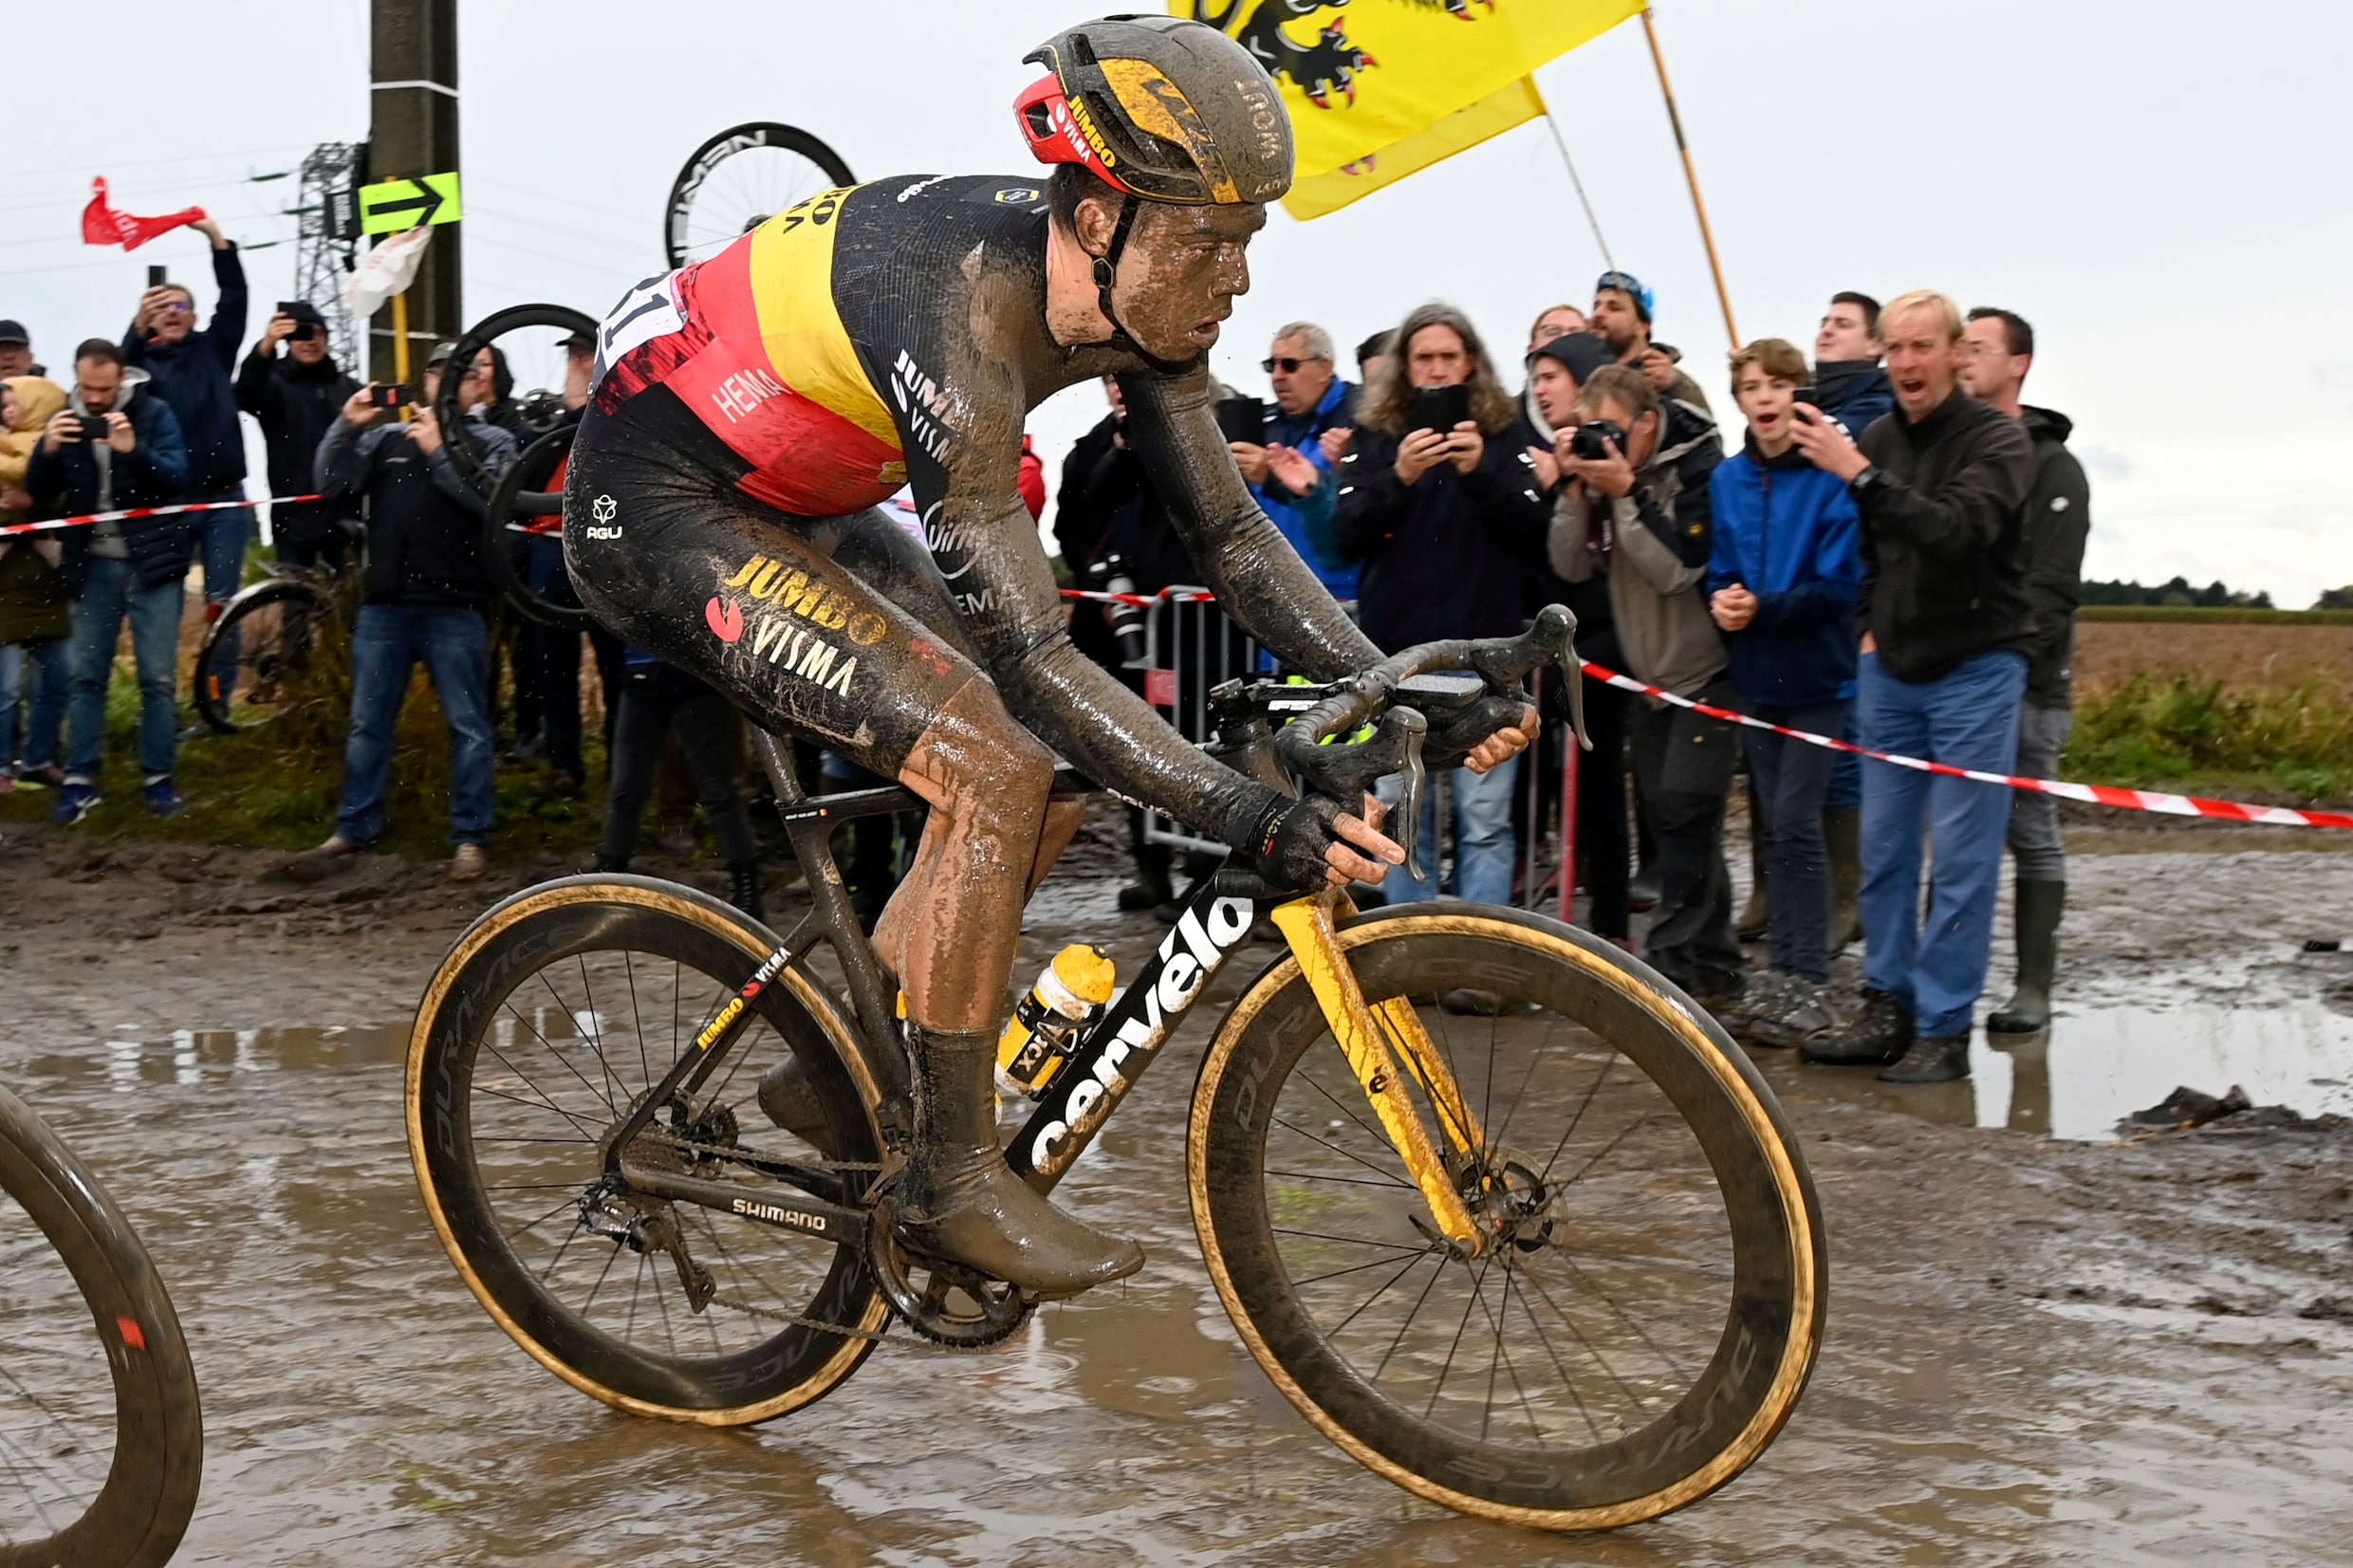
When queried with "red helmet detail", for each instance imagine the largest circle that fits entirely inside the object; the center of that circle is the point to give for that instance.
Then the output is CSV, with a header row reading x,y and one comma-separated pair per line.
x,y
1056,134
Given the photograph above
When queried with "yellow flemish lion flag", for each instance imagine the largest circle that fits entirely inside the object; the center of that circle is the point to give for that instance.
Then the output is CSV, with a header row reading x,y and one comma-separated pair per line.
x,y
1381,88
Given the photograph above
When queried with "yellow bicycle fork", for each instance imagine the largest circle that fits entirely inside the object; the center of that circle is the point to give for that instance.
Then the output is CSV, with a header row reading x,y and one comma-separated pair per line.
x,y
1373,1036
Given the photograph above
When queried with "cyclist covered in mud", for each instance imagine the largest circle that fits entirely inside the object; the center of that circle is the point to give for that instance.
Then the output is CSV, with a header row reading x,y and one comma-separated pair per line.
x,y
752,409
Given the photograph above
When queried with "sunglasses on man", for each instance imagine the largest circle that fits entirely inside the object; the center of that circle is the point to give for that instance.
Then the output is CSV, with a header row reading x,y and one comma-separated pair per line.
x,y
1290,367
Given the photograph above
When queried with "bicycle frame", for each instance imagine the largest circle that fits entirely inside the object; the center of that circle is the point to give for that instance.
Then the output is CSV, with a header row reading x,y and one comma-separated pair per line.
x,y
1108,1060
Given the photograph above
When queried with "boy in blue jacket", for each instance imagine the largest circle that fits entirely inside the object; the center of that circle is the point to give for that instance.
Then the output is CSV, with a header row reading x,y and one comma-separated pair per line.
x,y
1783,582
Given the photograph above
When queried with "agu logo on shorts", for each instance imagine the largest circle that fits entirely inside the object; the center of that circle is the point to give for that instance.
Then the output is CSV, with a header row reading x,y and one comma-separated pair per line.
x,y
785,636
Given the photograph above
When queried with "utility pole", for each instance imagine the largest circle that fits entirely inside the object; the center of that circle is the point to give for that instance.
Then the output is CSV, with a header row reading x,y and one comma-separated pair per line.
x,y
413,132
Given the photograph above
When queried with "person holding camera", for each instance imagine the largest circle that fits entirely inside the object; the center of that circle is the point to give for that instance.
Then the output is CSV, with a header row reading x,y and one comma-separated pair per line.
x,y
1446,514
1947,623
191,368
1621,314
116,446
294,396
1636,510
422,589
1783,582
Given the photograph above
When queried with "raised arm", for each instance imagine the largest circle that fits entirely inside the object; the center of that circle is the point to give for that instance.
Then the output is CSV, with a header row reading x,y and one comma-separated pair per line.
x,y
1250,567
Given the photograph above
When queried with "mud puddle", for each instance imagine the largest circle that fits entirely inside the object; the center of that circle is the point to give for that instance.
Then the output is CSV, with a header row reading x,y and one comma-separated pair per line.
x,y
2097,1065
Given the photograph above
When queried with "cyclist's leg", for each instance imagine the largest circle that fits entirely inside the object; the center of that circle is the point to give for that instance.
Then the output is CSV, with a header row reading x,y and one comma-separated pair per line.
x,y
726,589
885,553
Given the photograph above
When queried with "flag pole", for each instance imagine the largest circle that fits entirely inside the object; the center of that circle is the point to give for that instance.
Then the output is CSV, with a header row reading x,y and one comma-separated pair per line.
x,y
1562,142
1691,176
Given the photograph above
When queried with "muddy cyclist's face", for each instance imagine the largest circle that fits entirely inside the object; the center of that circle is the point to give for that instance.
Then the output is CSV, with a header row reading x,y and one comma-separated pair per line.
x,y
1178,276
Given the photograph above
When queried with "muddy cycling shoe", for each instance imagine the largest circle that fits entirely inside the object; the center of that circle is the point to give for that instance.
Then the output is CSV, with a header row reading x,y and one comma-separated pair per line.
x,y
789,1100
959,1199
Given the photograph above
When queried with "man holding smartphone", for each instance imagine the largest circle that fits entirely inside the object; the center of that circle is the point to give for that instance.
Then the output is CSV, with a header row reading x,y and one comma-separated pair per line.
x,y
295,397
192,368
1284,461
114,446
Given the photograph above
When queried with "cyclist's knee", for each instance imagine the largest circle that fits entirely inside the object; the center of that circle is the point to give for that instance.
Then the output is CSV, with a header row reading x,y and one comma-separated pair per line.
x,y
976,762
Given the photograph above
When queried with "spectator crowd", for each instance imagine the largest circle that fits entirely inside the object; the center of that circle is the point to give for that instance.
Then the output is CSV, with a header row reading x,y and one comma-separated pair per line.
x,y
1889,552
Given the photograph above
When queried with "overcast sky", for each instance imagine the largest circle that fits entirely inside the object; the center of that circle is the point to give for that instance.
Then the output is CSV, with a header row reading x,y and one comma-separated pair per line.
x,y
2149,183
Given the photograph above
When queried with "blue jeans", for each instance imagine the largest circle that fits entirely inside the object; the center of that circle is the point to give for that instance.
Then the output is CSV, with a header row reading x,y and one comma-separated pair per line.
x,y
112,593
221,538
1484,843
453,643
1968,718
51,665
1792,781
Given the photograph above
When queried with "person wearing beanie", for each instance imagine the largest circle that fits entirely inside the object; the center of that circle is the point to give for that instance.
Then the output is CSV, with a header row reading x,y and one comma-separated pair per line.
x,y
1621,314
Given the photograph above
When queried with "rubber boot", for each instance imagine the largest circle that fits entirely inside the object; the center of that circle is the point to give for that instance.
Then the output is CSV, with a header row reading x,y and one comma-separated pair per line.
x,y
1757,915
961,1202
743,887
2039,907
1842,830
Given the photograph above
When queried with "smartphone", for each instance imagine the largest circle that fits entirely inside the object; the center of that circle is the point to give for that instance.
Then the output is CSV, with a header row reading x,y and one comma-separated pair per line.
x,y
154,276
93,426
390,394
287,307
1242,418
1808,394
1441,408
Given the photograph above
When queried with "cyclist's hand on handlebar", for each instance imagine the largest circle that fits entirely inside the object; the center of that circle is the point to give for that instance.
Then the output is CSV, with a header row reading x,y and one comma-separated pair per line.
x,y
1314,842
1361,832
1504,744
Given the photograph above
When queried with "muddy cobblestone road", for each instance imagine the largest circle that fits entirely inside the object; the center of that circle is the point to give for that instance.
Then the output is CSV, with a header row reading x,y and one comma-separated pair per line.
x,y
2039,1350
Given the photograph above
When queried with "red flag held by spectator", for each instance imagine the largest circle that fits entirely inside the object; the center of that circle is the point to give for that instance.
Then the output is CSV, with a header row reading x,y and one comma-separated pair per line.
x,y
103,225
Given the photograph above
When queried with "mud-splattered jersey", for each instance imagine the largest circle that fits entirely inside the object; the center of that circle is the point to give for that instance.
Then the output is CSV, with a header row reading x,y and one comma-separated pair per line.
x,y
811,346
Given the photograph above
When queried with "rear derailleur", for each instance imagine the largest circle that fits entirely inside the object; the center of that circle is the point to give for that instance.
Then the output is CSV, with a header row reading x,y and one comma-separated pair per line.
x,y
645,1225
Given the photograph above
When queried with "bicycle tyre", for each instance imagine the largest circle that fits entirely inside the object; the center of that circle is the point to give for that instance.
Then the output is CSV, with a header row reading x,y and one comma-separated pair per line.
x,y
1776,1288
516,939
215,687
678,212
484,333
137,1518
538,460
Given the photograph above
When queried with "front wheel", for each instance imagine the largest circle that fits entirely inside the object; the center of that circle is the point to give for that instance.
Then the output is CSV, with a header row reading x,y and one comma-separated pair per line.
x,y
1649,1298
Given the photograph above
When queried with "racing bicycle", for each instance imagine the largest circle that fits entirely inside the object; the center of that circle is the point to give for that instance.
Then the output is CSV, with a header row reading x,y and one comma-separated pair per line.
x,y
1561,1266
102,1440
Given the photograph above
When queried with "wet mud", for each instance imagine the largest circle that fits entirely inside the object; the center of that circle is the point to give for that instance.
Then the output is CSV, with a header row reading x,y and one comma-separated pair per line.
x,y
2046,1344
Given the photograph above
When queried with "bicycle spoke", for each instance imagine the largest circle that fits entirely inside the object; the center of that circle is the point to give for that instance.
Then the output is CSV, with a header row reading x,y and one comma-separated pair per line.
x,y
1336,1149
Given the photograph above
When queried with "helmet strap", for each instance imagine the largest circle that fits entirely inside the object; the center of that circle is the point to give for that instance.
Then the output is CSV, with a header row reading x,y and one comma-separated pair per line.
x,y
1107,272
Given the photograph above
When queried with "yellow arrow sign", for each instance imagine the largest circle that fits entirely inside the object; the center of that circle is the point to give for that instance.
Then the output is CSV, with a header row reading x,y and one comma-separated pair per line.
x,y
390,206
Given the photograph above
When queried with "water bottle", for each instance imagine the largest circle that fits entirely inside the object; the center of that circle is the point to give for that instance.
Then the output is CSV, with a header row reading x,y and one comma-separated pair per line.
x,y
1070,993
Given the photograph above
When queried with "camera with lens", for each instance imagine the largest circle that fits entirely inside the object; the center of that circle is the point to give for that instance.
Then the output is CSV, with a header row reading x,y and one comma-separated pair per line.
x,y
1108,574
1591,440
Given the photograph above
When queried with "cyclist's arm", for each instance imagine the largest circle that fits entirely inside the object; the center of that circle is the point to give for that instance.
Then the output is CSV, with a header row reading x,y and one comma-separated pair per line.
x,y
1256,573
1009,605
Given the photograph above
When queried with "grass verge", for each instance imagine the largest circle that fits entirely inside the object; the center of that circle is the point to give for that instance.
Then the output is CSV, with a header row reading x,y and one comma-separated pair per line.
x,y
2187,733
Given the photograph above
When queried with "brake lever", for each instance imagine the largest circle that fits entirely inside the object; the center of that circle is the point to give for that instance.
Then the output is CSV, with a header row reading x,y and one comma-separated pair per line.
x,y
1573,671
1408,832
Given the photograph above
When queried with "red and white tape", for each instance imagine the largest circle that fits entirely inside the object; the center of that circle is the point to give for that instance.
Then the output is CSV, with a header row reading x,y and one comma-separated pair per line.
x,y
2130,800
129,512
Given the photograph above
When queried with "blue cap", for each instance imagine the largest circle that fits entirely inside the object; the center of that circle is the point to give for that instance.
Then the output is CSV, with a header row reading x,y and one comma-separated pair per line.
x,y
1630,286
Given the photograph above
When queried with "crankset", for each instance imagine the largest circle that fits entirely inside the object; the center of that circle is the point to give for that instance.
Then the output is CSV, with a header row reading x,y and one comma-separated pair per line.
x,y
942,1302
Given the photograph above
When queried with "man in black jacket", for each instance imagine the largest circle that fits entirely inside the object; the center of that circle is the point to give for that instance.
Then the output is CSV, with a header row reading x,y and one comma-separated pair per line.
x,y
295,397
1450,525
117,446
192,368
1940,483
422,589
2056,523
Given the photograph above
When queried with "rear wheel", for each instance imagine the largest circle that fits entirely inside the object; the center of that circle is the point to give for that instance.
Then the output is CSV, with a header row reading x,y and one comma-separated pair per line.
x,y
738,180
554,1016
102,1443
257,658
1648,1308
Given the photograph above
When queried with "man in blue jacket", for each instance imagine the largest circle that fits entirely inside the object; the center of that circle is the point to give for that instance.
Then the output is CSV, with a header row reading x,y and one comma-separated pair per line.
x,y
193,370
1289,472
116,446
1783,582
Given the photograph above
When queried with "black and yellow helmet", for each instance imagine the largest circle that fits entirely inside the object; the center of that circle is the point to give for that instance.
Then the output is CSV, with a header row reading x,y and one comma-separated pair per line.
x,y
1163,109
